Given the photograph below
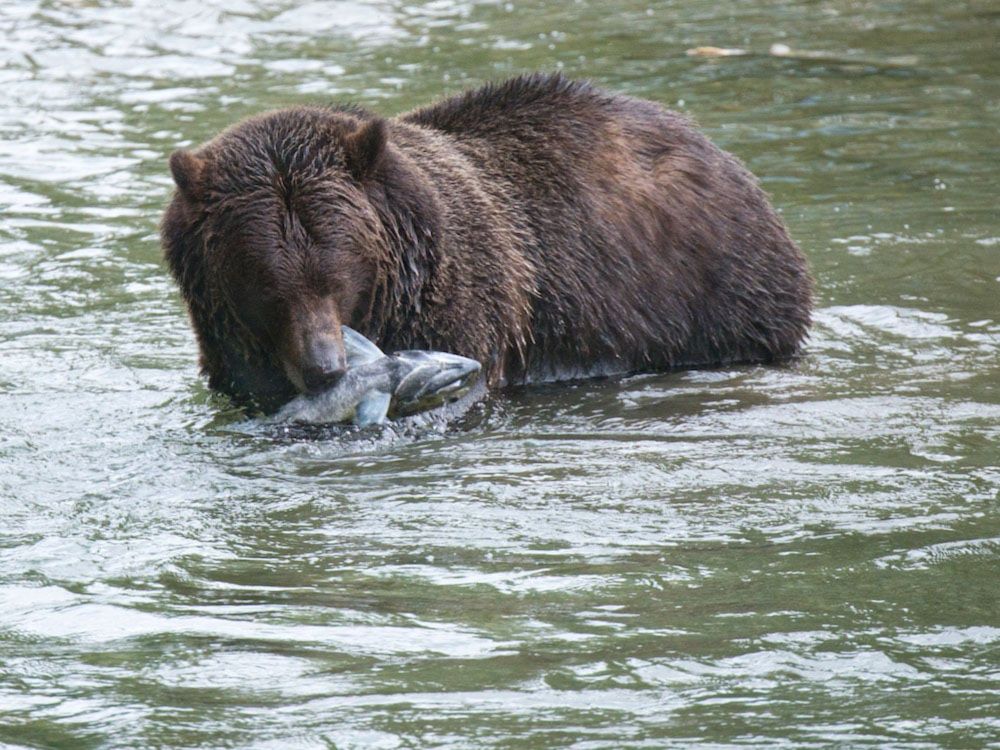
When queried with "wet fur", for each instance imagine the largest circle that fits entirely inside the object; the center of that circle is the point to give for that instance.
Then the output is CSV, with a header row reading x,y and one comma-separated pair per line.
x,y
543,226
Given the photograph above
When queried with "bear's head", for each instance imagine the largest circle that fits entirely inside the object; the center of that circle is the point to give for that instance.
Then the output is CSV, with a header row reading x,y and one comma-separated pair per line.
x,y
275,237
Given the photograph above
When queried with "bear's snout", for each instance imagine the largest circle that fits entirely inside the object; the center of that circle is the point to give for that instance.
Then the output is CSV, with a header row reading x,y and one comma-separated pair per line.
x,y
323,364
313,350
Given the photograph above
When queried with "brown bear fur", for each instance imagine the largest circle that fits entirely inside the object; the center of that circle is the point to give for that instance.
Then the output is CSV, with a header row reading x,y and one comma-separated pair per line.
x,y
542,226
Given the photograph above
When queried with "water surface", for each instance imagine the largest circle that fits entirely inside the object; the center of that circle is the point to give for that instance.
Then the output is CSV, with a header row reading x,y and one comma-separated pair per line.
x,y
802,556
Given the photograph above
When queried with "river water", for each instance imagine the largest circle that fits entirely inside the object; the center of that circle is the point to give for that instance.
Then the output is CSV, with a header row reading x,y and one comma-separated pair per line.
x,y
799,556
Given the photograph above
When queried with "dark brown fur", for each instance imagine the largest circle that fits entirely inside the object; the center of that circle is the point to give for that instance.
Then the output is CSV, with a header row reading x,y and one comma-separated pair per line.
x,y
545,227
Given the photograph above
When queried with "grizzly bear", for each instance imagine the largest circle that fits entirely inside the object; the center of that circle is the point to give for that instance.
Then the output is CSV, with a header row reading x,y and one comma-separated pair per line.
x,y
546,227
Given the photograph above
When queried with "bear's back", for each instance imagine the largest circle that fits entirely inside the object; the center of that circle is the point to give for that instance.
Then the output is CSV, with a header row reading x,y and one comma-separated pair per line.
x,y
651,246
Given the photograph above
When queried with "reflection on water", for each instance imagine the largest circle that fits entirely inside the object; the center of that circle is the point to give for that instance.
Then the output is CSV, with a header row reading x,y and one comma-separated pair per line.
x,y
793,556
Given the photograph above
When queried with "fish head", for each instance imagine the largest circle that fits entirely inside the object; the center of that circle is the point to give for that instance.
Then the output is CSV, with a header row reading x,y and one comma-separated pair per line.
x,y
428,379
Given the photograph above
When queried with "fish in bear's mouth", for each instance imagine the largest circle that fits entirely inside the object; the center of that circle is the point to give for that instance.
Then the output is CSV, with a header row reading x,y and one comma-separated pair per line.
x,y
377,386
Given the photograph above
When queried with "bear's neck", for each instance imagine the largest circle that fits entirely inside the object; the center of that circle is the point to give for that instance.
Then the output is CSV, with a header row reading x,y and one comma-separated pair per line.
x,y
410,212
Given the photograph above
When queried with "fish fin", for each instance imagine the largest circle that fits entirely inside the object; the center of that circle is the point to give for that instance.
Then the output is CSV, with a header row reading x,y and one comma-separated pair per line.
x,y
372,409
359,349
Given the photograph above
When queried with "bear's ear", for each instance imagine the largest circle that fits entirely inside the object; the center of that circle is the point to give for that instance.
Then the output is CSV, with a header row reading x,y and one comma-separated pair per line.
x,y
364,148
187,171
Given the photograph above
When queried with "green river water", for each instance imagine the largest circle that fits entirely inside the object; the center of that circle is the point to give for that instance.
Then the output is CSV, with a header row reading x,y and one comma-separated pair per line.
x,y
796,557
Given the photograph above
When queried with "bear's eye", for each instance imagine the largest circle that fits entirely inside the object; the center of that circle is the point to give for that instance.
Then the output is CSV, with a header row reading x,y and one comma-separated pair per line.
x,y
264,316
254,301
